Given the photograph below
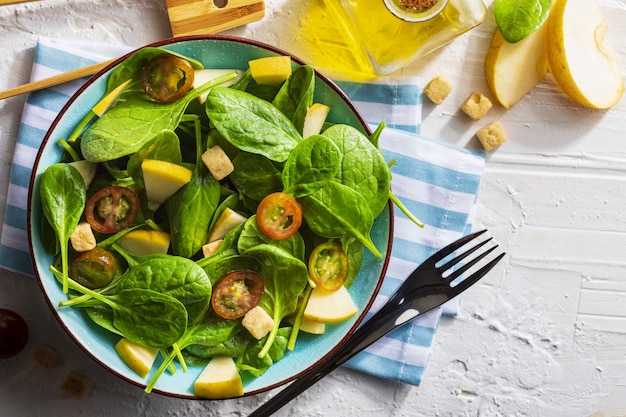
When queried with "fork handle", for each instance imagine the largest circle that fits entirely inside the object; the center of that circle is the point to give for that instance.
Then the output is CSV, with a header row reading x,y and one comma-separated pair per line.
x,y
381,323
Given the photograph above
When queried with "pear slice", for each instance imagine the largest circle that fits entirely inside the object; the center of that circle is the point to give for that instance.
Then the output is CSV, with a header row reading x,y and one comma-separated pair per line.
x,y
513,69
582,64
162,179
219,379
203,76
330,306
270,70
139,358
87,170
145,242
228,220
314,119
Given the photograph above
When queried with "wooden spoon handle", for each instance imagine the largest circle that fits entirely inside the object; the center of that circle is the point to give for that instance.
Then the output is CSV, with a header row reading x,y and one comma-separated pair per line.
x,y
54,80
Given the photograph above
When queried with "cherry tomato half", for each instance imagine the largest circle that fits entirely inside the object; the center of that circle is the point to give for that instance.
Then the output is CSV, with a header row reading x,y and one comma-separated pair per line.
x,y
94,268
112,209
236,293
329,266
279,216
13,333
166,78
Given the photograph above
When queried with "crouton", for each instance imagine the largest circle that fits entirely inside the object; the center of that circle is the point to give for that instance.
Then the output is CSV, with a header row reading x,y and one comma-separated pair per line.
x,y
476,106
492,136
258,322
438,89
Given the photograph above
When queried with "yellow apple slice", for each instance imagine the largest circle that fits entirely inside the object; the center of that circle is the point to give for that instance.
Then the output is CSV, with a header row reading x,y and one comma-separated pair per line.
x,y
513,69
582,64
330,306
104,104
162,179
228,220
145,242
139,358
219,379
314,119
270,70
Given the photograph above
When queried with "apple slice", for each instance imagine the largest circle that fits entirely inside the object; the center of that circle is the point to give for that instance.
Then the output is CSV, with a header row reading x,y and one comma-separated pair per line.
x,y
145,242
582,64
314,119
330,306
162,179
139,358
219,379
513,69
310,326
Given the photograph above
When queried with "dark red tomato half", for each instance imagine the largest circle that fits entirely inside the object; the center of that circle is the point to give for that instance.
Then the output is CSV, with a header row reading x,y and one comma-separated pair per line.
x,y
112,209
94,268
166,78
279,216
329,266
236,293
13,333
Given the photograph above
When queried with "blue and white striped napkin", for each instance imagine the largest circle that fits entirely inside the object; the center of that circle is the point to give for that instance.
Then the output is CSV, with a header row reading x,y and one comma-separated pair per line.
x,y
437,182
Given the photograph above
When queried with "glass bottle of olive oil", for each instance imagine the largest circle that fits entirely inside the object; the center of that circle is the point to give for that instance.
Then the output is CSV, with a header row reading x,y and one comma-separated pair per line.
x,y
378,37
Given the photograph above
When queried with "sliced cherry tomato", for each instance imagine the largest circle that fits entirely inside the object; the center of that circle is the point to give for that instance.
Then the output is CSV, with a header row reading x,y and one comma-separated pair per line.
x,y
329,266
112,209
94,268
236,293
279,216
166,78
13,333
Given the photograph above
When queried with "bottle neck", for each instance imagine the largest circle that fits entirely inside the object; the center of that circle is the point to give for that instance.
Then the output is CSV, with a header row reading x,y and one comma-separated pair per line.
x,y
415,10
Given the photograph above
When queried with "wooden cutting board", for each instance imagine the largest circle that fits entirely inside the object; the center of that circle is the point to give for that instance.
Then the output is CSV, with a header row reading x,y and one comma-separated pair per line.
x,y
200,17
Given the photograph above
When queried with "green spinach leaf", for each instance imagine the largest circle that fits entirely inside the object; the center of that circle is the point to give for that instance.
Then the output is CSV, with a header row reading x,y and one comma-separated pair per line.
x,y
251,124
63,198
516,19
296,95
255,176
312,164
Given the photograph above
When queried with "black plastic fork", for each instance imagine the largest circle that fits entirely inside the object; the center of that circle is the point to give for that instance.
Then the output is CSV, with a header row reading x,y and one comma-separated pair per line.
x,y
428,287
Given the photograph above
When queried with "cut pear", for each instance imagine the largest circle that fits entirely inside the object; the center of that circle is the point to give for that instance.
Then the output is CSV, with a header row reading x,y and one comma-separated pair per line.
x,y
203,76
228,220
513,69
145,242
270,70
139,358
87,170
162,179
330,306
314,119
582,64
219,379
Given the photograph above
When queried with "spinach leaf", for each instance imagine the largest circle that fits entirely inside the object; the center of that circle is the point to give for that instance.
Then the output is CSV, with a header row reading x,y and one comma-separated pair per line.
x,y
285,277
252,236
175,276
135,121
254,362
255,176
190,211
311,165
63,198
296,95
516,19
338,211
363,167
251,124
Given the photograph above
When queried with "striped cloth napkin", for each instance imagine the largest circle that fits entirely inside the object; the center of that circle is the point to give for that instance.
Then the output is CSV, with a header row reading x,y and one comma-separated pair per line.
x,y
436,181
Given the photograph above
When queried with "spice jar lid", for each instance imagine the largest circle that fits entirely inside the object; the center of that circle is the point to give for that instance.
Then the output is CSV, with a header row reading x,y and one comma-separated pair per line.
x,y
415,10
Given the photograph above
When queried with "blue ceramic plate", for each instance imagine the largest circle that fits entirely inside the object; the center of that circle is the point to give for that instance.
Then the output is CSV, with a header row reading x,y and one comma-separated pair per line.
x,y
213,52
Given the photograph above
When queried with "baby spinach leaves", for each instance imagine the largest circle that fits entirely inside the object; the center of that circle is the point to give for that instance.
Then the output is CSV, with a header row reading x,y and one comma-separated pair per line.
x,y
251,124
517,19
63,198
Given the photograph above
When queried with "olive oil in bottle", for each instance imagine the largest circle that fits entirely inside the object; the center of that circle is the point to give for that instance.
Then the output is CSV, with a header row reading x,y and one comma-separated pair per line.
x,y
370,37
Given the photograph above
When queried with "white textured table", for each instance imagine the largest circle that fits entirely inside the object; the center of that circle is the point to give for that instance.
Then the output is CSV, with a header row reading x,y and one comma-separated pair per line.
x,y
542,335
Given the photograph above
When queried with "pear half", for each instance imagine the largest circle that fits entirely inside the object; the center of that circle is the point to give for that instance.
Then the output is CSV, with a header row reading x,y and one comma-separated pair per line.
x,y
582,64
